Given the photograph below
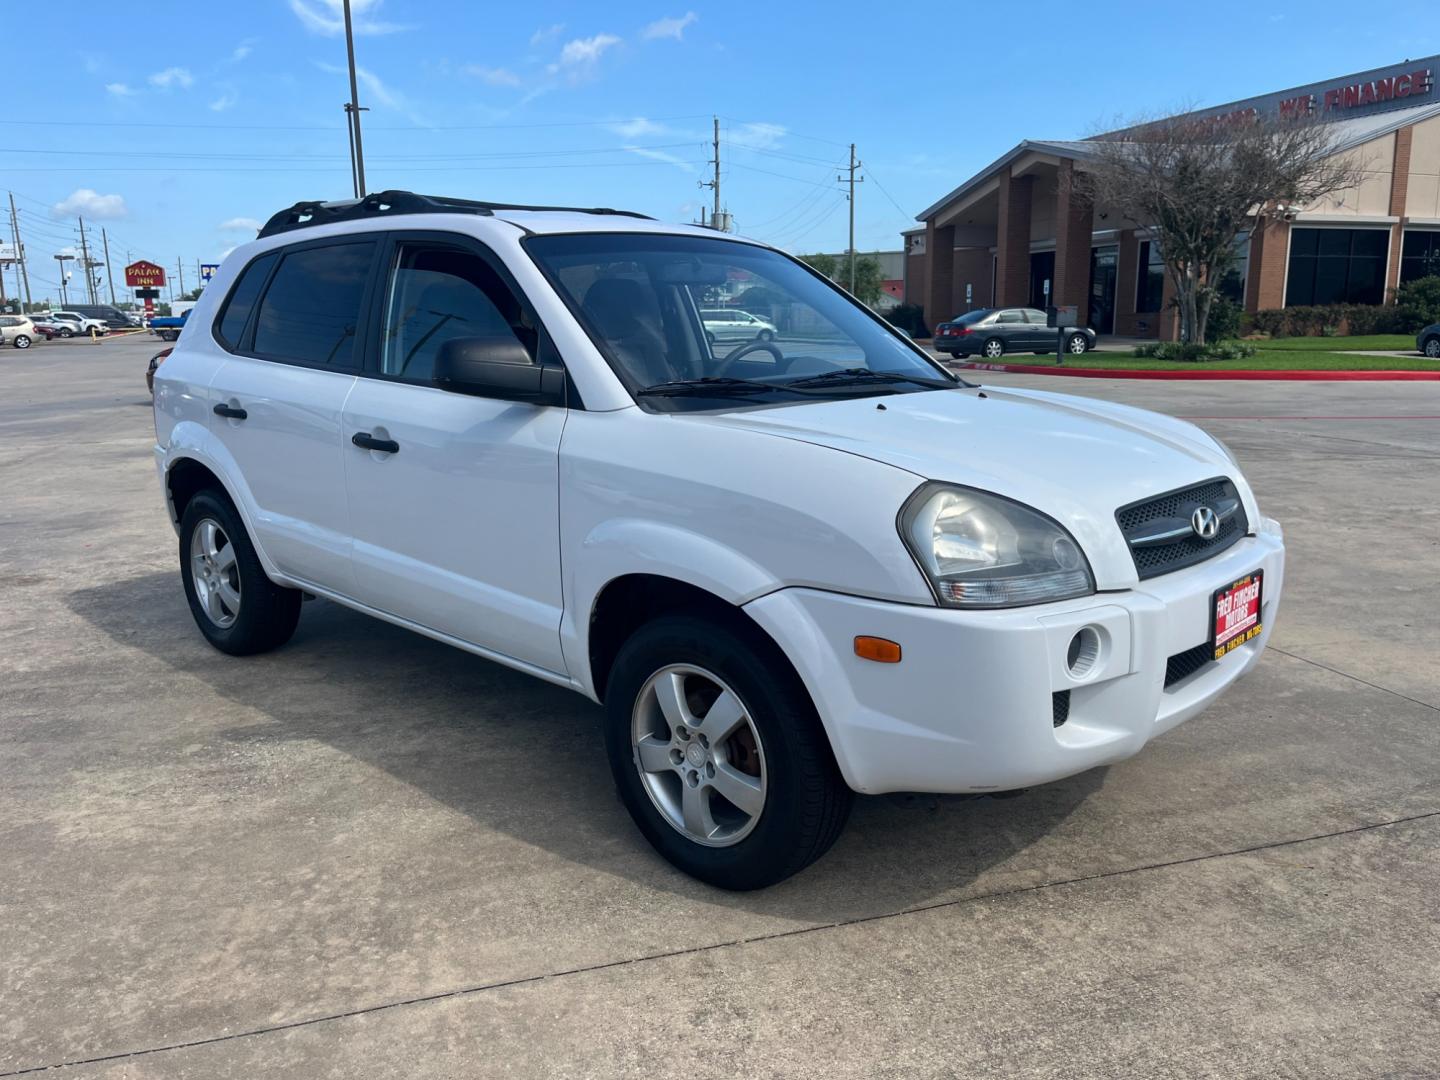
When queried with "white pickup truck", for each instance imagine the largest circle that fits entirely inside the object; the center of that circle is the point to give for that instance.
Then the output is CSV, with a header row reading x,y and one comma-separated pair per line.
x,y
789,571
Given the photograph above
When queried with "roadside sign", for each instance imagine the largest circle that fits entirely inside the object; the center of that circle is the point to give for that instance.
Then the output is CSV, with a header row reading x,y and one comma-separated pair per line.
x,y
1062,315
8,253
969,295
144,275
208,271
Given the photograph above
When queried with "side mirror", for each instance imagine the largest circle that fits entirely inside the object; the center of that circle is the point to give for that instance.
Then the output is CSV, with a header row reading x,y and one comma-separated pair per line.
x,y
497,367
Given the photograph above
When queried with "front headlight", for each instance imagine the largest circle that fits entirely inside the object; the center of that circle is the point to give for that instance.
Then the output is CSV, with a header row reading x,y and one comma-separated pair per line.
x,y
982,551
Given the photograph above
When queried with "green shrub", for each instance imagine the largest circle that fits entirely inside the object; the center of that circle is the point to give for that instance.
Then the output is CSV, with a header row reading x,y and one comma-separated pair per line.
x,y
910,318
1186,352
1417,305
1224,320
1271,321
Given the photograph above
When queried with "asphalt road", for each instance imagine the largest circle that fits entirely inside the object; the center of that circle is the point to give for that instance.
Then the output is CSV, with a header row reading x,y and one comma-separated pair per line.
x,y
370,855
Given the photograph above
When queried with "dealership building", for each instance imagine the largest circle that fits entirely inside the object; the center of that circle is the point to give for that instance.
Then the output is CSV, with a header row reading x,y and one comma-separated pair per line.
x,y
1016,234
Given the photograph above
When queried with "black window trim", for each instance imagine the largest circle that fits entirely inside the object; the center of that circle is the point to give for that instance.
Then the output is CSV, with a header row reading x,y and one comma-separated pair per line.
x,y
235,347
363,329
546,353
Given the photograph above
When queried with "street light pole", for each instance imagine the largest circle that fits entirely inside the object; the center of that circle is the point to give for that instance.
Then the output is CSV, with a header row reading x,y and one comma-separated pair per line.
x,y
64,296
354,106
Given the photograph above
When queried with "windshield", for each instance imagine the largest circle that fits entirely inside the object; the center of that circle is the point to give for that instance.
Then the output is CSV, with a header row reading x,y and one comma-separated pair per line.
x,y
693,322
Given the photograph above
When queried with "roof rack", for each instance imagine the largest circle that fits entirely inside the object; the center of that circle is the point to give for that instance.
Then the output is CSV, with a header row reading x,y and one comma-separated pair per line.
x,y
303,215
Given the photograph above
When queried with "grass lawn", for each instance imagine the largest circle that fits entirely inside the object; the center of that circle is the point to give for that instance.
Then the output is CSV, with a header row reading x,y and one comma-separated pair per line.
x,y
1332,344
1263,360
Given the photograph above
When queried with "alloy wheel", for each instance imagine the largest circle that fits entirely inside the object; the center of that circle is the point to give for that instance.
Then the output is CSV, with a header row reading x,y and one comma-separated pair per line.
x,y
215,573
994,348
1432,348
699,755
1078,344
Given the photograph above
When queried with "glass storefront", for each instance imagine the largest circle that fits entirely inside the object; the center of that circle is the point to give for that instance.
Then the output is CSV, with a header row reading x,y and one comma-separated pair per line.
x,y
1336,266
1104,262
1420,254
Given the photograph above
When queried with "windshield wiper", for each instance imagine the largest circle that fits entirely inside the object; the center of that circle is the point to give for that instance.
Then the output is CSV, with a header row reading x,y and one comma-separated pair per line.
x,y
709,384
858,376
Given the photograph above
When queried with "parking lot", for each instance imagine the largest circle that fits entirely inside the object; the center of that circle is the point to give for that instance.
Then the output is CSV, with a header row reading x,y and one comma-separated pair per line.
x,y
368,854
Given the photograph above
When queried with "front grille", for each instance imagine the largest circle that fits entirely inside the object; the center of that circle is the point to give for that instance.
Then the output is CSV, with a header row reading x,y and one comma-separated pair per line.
x,y
1146,524
1060,706
1184,664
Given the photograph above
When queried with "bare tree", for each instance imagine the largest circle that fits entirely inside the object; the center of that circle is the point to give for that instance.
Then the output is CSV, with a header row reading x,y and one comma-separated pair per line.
x,y
1197,182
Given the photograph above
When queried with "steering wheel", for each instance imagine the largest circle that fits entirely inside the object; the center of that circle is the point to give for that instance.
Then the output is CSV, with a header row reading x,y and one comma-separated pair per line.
x,y
734,356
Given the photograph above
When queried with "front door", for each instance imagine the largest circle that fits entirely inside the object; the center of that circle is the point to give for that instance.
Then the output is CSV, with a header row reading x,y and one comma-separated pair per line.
x,y
458,528
1104,265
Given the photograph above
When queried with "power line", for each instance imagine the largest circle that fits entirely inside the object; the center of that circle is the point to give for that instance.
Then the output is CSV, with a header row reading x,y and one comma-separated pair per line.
x,y
332,128
782,176
331,168
870,172
330,157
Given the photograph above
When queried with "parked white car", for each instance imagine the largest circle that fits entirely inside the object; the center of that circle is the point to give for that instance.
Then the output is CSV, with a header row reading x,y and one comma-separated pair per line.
x,y
74,324
732,324
17,330
789,573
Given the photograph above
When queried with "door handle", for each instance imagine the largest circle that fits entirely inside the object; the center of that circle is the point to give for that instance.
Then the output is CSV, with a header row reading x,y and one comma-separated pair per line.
x,y
230,412
366,441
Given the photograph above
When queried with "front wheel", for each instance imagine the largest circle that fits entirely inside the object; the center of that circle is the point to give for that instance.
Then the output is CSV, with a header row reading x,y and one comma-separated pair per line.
x,y
1077,344
238,609
994,348
718,754
1432,348
765,335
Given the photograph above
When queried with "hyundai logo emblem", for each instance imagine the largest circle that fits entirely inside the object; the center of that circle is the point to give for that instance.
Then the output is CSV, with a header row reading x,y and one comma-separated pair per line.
x,y
1205,522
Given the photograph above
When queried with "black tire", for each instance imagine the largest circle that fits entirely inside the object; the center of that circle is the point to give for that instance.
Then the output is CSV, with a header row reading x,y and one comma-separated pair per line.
x,y
67,332
1432,348
993,348
807,800
22,341
765,335
709,338
268,612
1077,344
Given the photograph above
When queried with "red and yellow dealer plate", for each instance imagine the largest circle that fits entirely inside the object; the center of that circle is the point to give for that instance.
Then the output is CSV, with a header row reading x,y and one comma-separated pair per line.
x,y
1235,613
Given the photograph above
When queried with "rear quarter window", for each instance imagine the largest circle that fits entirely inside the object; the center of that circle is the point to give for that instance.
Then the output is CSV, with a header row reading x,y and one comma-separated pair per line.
x,y
230,327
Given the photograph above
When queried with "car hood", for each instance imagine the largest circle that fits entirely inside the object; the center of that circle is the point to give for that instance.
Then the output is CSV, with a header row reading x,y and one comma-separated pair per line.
x,y
1076,459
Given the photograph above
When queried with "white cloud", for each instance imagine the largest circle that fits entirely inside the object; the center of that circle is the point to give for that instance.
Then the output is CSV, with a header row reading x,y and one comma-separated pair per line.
x,y
244,49
224,101
638,127
239,224
756,136
660,155
120,89
580,57
172,77
91,204
377,91
327,17
545,33
492,76
669,28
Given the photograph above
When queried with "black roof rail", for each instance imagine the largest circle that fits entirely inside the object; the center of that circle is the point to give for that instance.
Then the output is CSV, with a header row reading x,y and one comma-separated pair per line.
x,y
304,215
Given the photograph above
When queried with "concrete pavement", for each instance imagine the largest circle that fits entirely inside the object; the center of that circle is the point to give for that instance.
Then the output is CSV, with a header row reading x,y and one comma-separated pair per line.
x,y
369,854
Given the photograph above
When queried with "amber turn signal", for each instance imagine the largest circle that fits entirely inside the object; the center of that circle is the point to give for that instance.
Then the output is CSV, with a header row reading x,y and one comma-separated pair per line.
x,y
879,649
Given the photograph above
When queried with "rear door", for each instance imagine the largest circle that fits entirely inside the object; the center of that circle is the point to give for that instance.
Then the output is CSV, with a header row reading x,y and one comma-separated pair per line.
x,y
278,398
1010,327
458,528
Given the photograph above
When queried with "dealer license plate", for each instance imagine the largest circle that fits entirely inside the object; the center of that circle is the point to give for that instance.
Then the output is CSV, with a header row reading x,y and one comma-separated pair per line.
x,y
1235,613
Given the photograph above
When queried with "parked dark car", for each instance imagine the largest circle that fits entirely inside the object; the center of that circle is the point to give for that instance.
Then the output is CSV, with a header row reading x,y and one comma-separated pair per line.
x,y
46,328
1428,341
993,332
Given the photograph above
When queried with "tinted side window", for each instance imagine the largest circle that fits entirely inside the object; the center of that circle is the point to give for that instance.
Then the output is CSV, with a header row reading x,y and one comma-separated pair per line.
x,y
311,311
440,294
1010,317
242,299
1034,317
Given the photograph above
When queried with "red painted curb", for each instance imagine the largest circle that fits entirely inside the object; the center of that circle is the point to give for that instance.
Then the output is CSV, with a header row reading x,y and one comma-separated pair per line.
x,y
1278,375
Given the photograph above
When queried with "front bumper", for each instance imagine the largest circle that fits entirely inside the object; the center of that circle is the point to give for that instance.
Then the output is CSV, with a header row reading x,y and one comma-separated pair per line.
x,y
970,706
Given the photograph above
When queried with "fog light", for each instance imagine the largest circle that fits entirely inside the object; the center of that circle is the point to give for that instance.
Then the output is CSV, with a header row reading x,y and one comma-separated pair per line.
x,y
1084,652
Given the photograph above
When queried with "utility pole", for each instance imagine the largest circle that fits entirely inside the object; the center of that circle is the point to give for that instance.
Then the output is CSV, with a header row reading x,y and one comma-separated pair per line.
x,y
64,295
354,107
109,273
19,248
716,220
851,250
85,264
180,269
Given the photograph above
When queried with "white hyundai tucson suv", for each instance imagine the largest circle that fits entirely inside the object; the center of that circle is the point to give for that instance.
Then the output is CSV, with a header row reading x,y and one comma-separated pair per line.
x,y
790,569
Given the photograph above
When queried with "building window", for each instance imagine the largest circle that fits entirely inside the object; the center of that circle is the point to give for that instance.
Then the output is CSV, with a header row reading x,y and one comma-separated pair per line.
x,y
1336,266
1419,255
1150,283
1232,282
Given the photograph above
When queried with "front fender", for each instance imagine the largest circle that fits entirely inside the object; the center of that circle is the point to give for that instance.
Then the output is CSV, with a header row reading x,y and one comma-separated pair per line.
x,y
616,548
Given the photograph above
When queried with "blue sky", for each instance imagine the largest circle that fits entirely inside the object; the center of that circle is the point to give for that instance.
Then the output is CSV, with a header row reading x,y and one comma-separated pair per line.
x,y
177,126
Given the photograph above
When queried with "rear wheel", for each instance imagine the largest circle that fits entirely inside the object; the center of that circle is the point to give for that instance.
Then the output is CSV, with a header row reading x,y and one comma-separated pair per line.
x,y
765,335
718,754
67,332
993,348
238,609
22,341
